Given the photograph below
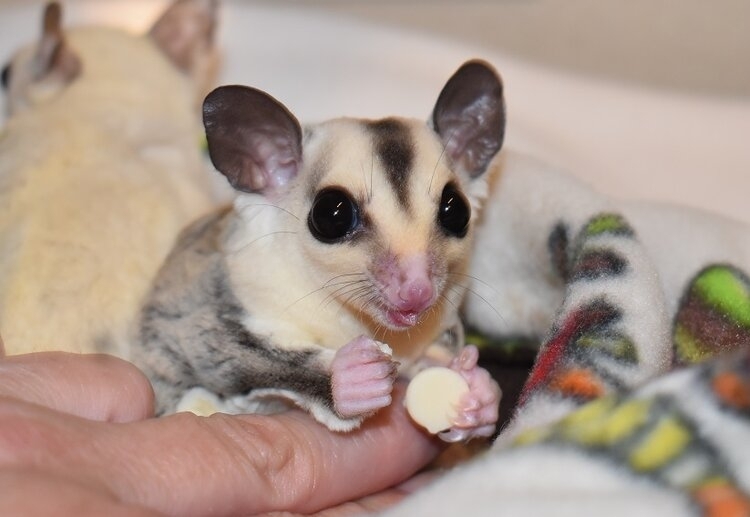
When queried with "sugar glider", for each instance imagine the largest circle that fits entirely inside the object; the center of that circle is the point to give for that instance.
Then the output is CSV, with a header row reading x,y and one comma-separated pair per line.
x,y
100,169
344,235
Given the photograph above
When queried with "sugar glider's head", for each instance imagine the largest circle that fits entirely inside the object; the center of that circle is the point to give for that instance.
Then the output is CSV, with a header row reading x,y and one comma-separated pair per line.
x,y
384,208
43,69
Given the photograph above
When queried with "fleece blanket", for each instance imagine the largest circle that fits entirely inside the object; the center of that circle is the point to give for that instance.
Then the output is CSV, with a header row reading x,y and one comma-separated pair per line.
x,y
638,398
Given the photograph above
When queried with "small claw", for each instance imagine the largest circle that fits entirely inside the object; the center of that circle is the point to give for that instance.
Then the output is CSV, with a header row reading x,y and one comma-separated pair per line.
x,y
466,420
467,359
484,431
470,403
454,435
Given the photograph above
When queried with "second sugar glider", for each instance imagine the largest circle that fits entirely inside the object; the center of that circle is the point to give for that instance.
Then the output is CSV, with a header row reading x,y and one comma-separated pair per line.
x,y
100,169
344,235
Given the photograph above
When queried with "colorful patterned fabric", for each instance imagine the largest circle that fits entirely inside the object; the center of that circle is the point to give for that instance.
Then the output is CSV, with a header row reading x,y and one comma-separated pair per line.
x,y
663,437
630,407
675,427
590,352
714,315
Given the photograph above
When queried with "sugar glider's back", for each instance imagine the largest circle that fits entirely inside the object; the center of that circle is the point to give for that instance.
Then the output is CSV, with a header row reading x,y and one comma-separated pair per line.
x,y
100,169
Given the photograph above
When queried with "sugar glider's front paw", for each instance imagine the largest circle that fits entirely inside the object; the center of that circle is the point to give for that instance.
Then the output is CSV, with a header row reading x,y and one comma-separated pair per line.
x,y
362,375
477,410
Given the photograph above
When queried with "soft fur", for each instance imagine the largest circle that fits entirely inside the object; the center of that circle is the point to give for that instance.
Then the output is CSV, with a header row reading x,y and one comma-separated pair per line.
x,y
253,305
100,169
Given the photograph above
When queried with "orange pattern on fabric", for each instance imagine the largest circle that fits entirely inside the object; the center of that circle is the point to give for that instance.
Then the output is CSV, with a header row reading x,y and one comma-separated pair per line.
x,y
578,382
732,390
722,500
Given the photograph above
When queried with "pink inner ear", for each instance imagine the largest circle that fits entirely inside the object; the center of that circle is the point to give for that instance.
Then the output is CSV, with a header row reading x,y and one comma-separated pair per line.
x,y
252,139
285,172
469,116
470,143
455,144
276,163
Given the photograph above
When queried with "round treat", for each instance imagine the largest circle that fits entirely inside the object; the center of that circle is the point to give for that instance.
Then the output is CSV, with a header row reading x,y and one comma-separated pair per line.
x,y
433,396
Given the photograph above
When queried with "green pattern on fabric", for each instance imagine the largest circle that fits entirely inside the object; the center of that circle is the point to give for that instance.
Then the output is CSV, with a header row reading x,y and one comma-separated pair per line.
x,y
616,346
607,223
725,290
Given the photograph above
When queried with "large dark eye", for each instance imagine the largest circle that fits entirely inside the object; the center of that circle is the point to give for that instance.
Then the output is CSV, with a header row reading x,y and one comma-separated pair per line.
x,y
454,212
334,215
5,77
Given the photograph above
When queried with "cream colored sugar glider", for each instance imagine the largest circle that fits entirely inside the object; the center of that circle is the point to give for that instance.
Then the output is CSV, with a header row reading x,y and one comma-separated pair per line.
x,y
100,168
348,240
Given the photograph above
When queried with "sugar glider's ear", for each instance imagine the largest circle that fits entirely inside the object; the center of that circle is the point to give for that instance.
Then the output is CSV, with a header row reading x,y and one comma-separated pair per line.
x,y
45,69
186,32
54,60
252,139
469,116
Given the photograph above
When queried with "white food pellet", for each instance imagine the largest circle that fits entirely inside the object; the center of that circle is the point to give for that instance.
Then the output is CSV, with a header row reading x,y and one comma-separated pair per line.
x,y
432,397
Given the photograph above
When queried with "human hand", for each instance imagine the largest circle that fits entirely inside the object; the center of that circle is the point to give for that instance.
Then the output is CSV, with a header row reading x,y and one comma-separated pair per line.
x,y
76,438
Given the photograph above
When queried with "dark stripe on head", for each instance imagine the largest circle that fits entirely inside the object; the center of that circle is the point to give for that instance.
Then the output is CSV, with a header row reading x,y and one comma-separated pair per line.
x,y
395,149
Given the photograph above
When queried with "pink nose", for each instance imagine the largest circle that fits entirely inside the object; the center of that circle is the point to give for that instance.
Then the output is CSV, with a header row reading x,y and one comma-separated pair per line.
x,y
415,295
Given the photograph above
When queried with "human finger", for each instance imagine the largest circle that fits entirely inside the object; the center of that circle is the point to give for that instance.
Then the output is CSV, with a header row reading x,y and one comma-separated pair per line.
x,y
95,386
188,465
35,492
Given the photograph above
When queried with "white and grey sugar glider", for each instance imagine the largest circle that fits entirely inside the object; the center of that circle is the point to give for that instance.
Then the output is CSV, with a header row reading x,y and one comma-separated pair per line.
x,y
344,235
100,169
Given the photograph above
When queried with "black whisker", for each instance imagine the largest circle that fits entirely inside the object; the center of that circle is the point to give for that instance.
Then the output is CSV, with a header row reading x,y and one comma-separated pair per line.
x,y
348,289
343,275
357,294
446,299
476,279
329,283
434,171
379,331
338,293
276,207
368,188
482,298
270,234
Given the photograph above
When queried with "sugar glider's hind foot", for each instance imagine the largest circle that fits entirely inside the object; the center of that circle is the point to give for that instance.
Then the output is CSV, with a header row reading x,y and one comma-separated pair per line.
x,y
362,375
478,409
201,402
